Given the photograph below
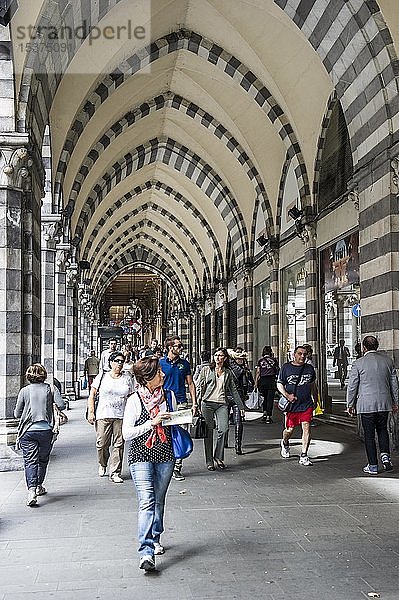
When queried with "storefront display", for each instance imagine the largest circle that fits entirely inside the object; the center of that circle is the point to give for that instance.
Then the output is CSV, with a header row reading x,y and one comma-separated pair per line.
x,y
340,303
294,309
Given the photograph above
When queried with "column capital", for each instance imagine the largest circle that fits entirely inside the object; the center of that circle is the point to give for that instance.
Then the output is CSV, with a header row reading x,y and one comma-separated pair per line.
x,y
395,173
15,162
272,257
353,196
210,302
51,228
308,234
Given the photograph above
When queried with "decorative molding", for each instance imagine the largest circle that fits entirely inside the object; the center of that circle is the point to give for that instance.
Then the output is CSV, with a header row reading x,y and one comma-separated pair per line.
x,y
395,173
15,166
272,257
308,234
353,195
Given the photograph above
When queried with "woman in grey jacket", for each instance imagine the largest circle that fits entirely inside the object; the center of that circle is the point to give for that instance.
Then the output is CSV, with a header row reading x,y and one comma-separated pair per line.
x,y
35,430
214,384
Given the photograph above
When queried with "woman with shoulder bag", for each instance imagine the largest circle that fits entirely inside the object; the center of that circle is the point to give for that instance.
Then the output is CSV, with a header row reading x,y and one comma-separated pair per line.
x,y
265,381
150,455
34,408
114,388
214,385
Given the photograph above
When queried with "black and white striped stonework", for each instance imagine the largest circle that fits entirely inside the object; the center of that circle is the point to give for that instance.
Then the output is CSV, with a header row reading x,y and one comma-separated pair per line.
x,y
192,111
140,255
120,242
162,250
93,242
173,154
60,324
135,233
206,49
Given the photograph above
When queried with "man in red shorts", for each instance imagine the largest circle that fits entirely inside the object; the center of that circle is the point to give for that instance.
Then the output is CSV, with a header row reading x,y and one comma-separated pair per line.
x,y
296,382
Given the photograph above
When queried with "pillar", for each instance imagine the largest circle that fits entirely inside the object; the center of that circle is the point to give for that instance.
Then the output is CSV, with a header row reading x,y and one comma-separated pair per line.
x,y
272,259
71,332
60,314
50,229
311,282
20,193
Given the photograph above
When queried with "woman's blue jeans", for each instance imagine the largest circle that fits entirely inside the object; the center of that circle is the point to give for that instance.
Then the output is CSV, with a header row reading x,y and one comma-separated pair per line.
x,y
36,447
152,482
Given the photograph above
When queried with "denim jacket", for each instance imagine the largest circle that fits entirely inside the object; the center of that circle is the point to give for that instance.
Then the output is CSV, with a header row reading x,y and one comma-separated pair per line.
x,y
206,384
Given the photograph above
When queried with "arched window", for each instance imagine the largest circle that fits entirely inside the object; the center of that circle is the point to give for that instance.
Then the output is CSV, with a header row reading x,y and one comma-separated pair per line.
x,y
336,164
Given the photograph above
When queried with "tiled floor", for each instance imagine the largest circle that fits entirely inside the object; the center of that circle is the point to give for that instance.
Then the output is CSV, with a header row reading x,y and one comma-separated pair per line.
x,y
264,528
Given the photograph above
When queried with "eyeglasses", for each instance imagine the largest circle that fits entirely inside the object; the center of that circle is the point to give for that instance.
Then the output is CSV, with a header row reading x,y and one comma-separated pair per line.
x,y
120,361
178,346
219,355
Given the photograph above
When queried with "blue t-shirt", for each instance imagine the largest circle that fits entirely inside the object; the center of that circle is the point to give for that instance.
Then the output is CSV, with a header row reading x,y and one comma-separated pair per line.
x,y
288,376
175,376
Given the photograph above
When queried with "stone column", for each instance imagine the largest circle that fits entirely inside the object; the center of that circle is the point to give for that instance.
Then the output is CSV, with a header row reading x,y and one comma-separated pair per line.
x,y
194,341
60,313
244,309
20,194
224,298
272,259
71,331
201,316
184,334
211,306
308,237
50,232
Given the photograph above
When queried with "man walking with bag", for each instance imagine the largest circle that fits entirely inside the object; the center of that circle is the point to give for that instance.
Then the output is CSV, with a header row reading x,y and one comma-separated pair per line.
x,y
372,393
296,382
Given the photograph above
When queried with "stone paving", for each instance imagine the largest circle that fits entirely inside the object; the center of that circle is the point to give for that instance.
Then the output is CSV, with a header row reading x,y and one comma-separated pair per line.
x,y
264,528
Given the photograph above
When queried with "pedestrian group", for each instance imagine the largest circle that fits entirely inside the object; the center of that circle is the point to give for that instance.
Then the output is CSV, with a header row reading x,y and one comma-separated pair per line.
x,y
133,395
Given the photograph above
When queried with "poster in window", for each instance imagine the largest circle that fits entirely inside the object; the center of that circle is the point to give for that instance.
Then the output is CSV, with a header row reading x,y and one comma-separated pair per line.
x,y
341,263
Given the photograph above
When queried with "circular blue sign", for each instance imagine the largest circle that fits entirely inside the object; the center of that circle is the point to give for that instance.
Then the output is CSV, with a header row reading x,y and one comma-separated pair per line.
x,y
356,310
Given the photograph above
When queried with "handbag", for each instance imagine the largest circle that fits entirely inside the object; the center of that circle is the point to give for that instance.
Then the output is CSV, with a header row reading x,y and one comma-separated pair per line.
x,y
252,401
283,403
199,429
84,384
96,398
182,444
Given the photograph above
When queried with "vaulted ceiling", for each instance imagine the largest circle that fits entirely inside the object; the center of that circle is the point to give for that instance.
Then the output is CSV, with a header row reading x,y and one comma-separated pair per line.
x,y
169,145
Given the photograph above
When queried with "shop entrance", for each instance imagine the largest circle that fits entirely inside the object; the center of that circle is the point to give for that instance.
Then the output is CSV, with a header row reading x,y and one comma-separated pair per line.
x,y
341,327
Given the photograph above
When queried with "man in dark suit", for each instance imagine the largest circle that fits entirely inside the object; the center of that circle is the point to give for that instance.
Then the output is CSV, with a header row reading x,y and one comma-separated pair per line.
x,y
372,393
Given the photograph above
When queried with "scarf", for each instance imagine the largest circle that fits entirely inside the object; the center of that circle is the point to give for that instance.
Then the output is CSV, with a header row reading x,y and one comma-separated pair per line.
x,y
151,402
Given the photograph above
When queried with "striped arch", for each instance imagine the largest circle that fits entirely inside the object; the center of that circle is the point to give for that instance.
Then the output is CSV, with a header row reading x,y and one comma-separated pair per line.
x,y
320,144
212,53
127,218
280,198
168,191
164,251
173,101
134,233
140,256
270,230
369,42
173,154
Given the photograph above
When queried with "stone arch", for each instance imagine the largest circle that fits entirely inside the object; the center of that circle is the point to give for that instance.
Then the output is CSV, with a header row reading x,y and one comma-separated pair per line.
x,y
126,218
146,258
177,102
173,154
134,233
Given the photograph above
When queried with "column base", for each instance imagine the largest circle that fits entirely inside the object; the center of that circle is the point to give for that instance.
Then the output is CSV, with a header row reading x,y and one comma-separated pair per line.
x,y
9,459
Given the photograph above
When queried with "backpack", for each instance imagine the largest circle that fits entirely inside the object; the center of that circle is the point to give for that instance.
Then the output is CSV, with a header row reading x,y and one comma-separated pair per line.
x,y
268,366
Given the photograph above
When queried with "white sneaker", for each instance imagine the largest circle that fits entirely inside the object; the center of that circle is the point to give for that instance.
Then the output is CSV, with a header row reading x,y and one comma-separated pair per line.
x,y
31,500
285,450
147,563
304,460
115,478
101,470
158,548
40,490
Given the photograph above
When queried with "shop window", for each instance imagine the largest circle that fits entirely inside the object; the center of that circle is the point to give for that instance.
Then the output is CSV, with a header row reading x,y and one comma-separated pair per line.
x,y
336,164
294,309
